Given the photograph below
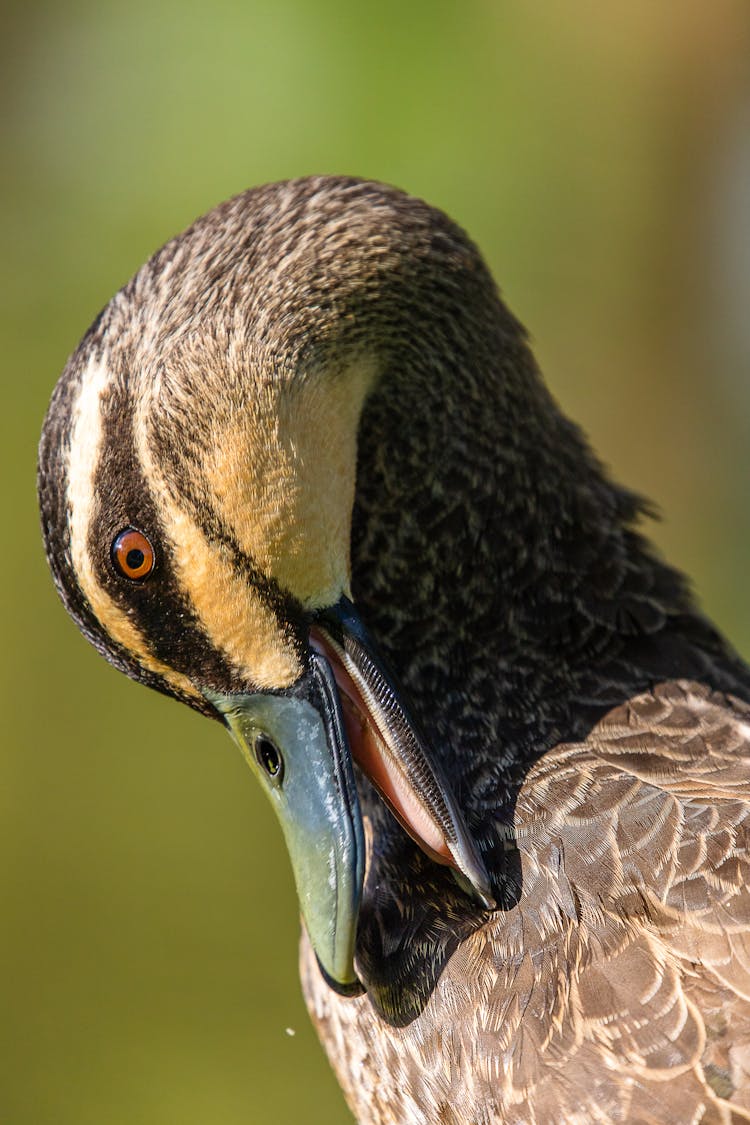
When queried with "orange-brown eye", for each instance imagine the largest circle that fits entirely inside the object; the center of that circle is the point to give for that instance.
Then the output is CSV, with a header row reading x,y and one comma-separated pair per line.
x,y
133,555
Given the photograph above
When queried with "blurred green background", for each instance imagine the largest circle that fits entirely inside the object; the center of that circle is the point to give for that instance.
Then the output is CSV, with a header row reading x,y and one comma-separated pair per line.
x,y
600,155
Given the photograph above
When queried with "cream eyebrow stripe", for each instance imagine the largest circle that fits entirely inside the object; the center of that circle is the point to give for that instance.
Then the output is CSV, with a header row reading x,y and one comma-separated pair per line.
x,y
87,434
233,614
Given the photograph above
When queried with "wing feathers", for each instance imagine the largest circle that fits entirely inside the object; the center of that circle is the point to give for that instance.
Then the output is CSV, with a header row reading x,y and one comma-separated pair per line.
x,y
618,989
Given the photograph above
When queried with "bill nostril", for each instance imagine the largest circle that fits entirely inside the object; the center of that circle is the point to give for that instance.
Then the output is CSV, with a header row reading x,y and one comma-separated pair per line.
x,y
269,757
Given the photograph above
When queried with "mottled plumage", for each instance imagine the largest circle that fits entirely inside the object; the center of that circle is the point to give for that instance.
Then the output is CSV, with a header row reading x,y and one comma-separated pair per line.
x,y
594,728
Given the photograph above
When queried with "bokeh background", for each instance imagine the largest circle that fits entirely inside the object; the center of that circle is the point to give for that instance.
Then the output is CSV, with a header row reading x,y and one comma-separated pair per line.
x,y
600,155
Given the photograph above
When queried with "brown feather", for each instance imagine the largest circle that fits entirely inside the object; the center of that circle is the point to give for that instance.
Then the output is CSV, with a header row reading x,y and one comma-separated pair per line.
x,y
637,1009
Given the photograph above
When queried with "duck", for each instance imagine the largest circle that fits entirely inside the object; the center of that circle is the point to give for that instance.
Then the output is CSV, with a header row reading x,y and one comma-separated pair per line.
x,y
303,475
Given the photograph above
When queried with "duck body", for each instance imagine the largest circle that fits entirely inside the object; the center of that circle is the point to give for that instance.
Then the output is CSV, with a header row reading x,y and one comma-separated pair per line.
x,y
592,727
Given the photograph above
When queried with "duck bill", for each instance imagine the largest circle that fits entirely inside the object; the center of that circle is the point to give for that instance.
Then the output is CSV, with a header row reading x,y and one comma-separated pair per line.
x,y
300,743
388,746
296,745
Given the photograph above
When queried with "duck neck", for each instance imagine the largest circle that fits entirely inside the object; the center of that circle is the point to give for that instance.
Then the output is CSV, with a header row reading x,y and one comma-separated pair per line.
x,y
492,557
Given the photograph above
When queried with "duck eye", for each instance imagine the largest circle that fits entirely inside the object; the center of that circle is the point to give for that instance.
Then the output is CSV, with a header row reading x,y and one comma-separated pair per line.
x,y
133,555
269,757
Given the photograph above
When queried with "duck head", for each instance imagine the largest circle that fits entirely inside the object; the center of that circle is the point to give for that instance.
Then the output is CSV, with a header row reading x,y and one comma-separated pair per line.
x,y
197,474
